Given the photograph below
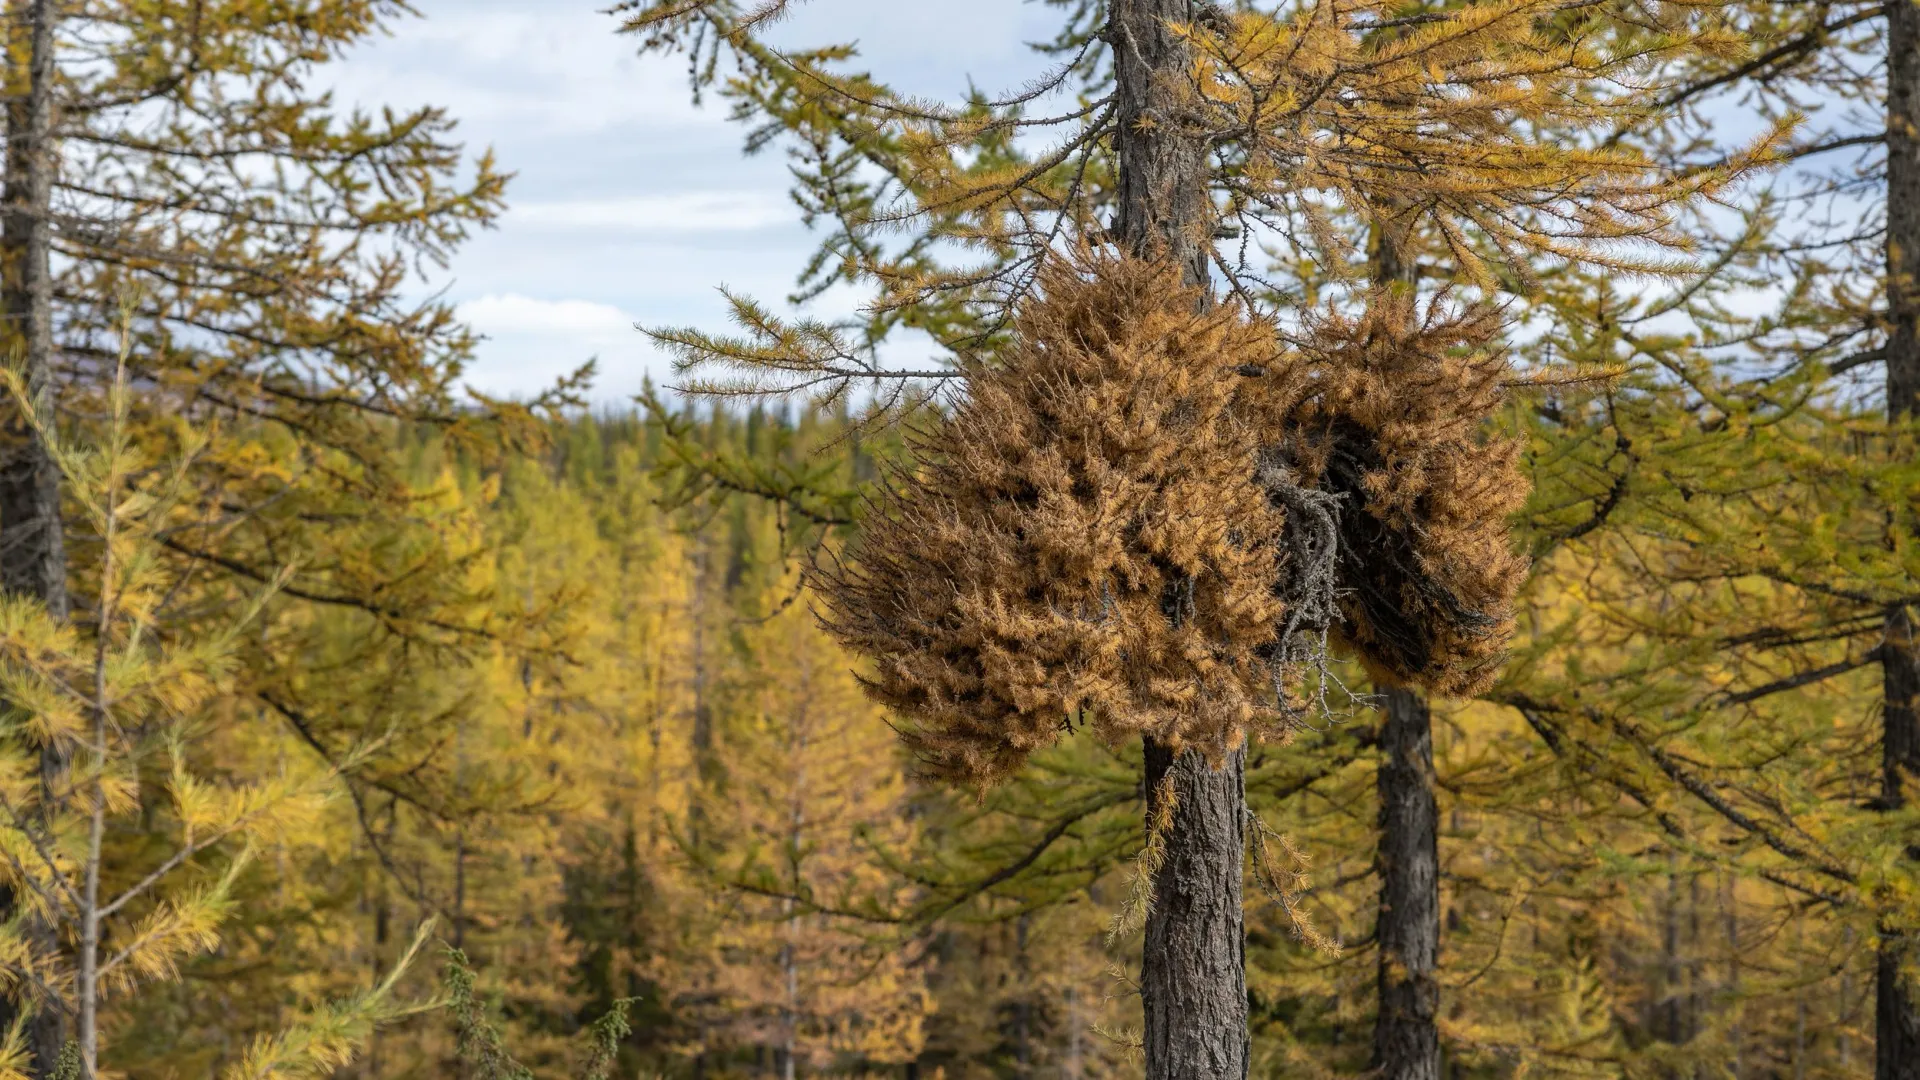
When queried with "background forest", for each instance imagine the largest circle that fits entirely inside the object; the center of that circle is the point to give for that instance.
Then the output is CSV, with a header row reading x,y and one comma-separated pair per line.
x,y
319,665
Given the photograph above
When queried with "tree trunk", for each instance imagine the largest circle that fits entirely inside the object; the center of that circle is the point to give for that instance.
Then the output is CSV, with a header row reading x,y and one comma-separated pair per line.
x,y
1903,207
1897,992
1846,1005
1023,1003
1736,1030
1193,983
1896,1022
1165,208
33,561
1668,1016
1193,973
1072,1070
1406,1035
1406,1041
1800,1007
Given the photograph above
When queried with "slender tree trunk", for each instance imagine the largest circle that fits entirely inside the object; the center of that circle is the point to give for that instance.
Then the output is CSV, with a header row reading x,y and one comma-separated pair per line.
x,y
1696,957
88,987
382,933
1667,1010
33,561
1406,1040
87,990
1897,990
799,736
1023,1004
1073,1069
460,837
1800,1008
790,975
1844,1010
1193,983
1736,1031
1193,974
1406,1034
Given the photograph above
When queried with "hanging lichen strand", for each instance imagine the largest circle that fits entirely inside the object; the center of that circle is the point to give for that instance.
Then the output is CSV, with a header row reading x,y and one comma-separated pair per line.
x,y
1082,539
1396,428
1133,521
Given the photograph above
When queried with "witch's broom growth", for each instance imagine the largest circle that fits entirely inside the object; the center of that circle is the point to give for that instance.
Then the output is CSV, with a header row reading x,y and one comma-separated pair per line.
x,y
1132,520
1395,428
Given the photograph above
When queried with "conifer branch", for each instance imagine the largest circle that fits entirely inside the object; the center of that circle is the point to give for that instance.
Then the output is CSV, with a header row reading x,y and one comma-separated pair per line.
x,y
1703,791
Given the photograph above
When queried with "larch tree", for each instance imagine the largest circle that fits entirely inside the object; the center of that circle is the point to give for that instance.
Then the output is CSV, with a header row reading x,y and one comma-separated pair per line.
x,y
1811,581
171,172
126,703
810,796
1086,577
1897,1014
1820,47
1406,1038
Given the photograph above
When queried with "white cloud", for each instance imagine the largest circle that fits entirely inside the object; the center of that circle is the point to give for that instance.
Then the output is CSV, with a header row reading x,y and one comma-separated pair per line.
x,y
532,342
673,212
629,203
560,70
514,314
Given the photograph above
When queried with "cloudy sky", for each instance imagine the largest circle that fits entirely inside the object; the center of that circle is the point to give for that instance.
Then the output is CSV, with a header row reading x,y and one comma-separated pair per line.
x,y
630,204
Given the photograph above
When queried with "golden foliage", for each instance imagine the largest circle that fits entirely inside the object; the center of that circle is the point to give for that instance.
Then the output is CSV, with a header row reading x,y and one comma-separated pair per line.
x,y
1432,124
131,701
814,790
1480,131
327,1040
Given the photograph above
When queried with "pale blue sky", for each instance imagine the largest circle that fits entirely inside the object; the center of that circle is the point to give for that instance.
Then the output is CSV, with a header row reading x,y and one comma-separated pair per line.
x,y
630,204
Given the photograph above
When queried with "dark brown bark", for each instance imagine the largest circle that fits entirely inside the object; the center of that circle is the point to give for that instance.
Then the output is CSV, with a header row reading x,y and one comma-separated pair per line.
x,y
1193,974
1406,1040
1406,1035
33,561
1669,1022
1900,684
32,549
1897,991
1165,210
1903,207
1023,1004
1896,1023
1193,982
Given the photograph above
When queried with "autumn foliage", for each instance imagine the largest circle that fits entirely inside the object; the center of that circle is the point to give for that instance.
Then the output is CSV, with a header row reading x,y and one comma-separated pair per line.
x,y
1111,529
307,661
1085,537
1396,426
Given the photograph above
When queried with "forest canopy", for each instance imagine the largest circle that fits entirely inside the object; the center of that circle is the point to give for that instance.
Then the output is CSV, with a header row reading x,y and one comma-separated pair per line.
x,y
1312,538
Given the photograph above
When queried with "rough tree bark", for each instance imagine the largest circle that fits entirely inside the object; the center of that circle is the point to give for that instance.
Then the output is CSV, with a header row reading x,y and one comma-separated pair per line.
x,y
1406,1035
1193,982
1164,207
33,561
1193,973
1406,1040
32,549
1897,992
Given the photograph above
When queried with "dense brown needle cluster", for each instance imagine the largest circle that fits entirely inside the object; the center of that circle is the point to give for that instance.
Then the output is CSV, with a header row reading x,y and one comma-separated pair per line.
x,y
1396,427
1084,539
1113,527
